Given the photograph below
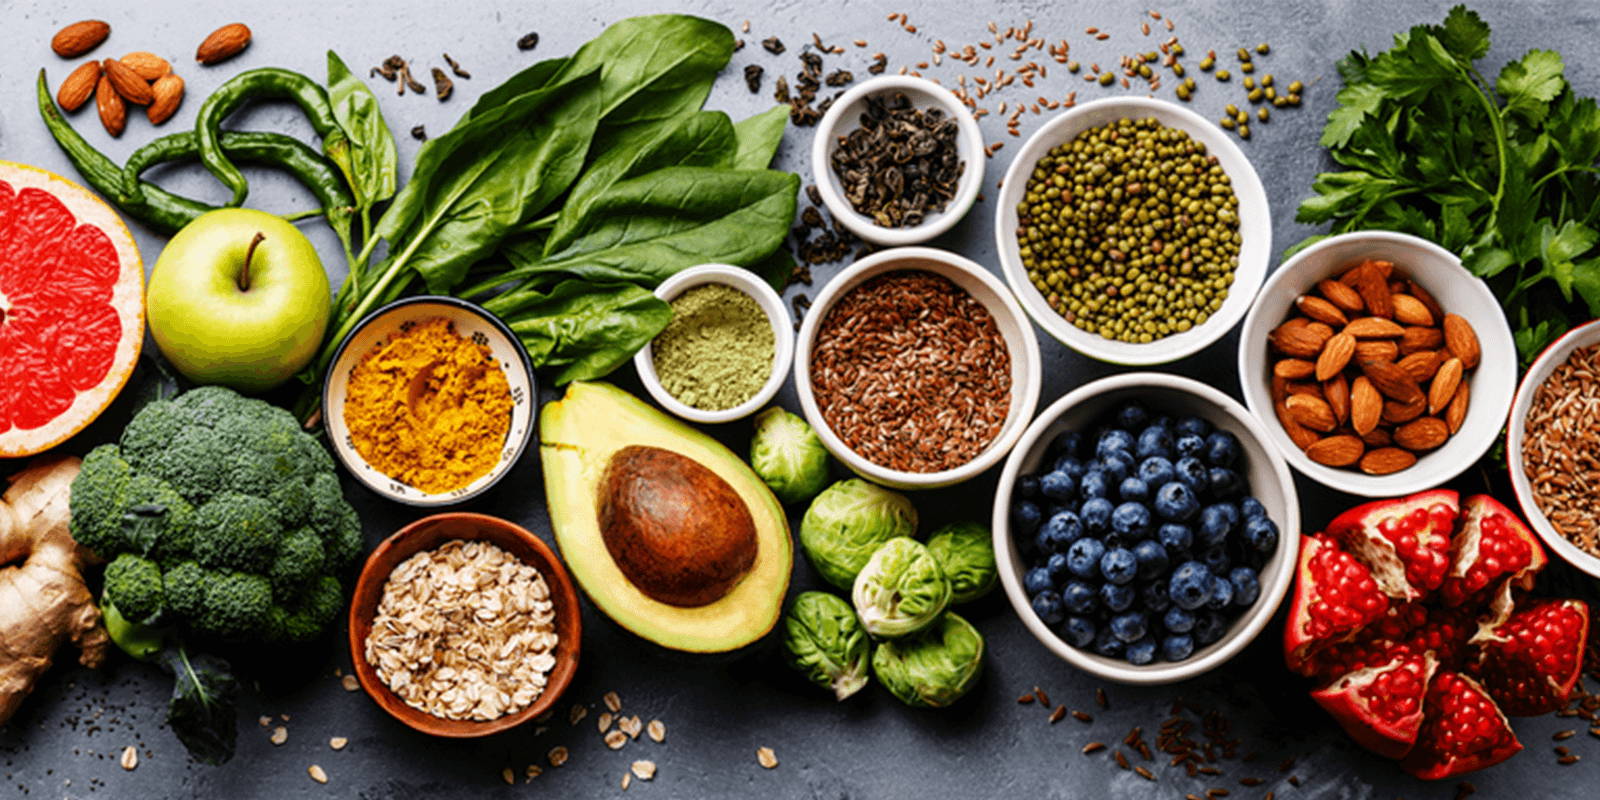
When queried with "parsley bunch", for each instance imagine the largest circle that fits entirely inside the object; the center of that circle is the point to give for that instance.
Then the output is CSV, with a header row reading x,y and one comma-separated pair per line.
x,y
1502,173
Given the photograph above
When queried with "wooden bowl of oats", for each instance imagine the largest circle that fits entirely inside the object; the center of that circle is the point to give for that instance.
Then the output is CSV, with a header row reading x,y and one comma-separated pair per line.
x,y
464,625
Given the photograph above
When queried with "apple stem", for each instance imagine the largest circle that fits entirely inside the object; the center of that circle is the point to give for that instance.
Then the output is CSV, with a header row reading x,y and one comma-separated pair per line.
x,y
244,272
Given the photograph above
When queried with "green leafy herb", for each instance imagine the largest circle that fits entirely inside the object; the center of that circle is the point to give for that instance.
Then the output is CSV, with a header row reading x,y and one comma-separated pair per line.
x,y
201,711
586,329
759,137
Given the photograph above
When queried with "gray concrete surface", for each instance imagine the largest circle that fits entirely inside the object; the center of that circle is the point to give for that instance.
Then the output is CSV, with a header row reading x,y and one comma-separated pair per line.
x,y
65,741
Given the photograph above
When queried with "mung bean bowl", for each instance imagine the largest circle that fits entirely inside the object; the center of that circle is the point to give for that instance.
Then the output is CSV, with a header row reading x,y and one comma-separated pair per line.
x,y
1176,273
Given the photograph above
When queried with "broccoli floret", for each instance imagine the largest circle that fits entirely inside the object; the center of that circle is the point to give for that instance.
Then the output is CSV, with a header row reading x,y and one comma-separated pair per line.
x,y
152,431
133,585
292,498
241,532
311,614
235,607
96,502
185,588
342,542
298,560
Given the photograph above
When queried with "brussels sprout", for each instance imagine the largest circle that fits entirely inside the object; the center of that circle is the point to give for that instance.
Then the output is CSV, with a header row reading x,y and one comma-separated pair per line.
x,y
826,643
934,668
901,590
847,522
965,551
787,454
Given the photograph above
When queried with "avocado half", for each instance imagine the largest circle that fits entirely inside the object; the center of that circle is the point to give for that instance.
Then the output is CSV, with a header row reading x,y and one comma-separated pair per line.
x,y
667,531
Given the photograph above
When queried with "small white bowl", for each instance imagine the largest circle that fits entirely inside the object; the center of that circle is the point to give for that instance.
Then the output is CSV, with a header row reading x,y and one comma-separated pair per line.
x,y
782,341
984,287
1270,482
471,321
845,112
1458,292
1255,226
1553,356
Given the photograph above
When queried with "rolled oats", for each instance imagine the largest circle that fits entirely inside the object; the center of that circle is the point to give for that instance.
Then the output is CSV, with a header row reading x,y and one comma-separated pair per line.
x,y
644,769
657,730
616,739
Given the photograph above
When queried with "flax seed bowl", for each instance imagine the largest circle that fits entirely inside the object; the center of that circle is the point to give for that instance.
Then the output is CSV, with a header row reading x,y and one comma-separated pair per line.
x,y
917,368
1553,442
1133,230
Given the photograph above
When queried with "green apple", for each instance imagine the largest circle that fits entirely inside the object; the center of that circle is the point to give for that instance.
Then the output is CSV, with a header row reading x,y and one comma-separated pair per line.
x,y
238,298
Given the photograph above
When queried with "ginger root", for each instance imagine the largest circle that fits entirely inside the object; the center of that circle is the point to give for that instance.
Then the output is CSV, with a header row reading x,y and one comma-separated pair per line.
x,y
43,601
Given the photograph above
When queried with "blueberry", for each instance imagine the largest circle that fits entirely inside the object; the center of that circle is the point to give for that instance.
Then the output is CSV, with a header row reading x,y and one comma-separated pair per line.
x,y
1151,557
1252,508
1025,516
1117,465
1095,483
1066,443
1216,522
1154,441
1117,596
1079,597
1113,439
1175,501
1189,445
1072,466
1130,626
1079,631
1153,595
1222,449
1060,531
1221,593
1107,645
1178,620
1058,486
1142,652
1246,586
1209,627
1047,605
1037,580
1131,520
1216,559
1223,482
1190,585
1176,538
1261,534
1193,425
1060,568
1133,490
1132,415
1027,487
1118,565
1155,470
1083,558
1096,515
1192,472
1177,647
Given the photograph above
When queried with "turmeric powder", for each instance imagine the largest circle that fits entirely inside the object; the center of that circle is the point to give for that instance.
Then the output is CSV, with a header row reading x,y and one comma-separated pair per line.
x,y
429,408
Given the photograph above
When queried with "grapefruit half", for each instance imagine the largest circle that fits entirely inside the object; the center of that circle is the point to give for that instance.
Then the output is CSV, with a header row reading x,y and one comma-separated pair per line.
x,y
71,308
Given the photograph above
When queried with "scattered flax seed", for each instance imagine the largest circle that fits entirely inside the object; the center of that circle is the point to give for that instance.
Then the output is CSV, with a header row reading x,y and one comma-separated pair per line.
x,y
317,773
1058,714
616,739
577,713
1038,694
657,730
860,43
509,776
1286,765
1294,780
1025,699
130,758
1211,771
280,735
1562,736
1101,700
558,756
1083,716
338,742
1569,760
1145,773
1093,747
1122,760
1217,792
1561,751
349,683
604,722
613,702
766,758
1250,781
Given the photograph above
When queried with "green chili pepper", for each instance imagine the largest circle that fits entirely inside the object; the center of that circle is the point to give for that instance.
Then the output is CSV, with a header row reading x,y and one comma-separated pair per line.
x,y
253,84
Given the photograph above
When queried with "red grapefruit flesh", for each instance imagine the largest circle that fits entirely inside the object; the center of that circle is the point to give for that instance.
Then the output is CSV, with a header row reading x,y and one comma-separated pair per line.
x,y
71,308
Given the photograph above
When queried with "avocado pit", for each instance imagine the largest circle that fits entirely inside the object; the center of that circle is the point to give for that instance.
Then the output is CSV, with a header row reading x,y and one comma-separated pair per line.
x,y
676,529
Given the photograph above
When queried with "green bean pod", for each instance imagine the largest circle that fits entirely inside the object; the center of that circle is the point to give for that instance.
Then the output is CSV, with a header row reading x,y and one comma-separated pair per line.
x,y
263,82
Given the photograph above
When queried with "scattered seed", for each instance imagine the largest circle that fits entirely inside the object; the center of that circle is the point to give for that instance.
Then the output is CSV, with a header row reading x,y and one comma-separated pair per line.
x,y
419,133
1569,760
349,682
528,42
130,758
338,742
644,769
627,780
1217,792
1250,781
558,755
657,730
1038,694
766,758
264,721
1294,780
1025,699
533,771
612,701
280,735
1122,760
1082,716
317,773
508,776
1093,747
1058,714
1562,736
1144,773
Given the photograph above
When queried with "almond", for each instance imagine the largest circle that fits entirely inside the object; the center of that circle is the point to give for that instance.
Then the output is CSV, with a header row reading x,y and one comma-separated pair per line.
x,y
1346,298
79,86
1443,388
1301,387
79,38
1422,366
1409,310
1335,355
1386,460
1299,340
1302,436
1376,350
1379,437
1398,413
223,43
167,93
1413,339
1312,412
1461,340
1392,381
113,113
1293,368
1415,290
1423,434
1337,393
146,65
1280,388
1457,412
1374,289
1373,328
133,88
1366,405
1352,275
1336,451
1320,310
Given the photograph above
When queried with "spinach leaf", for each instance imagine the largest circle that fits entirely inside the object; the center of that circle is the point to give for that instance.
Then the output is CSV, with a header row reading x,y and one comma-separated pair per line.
x,y
759,137
655,67
201,711
370,167
542,75
587,329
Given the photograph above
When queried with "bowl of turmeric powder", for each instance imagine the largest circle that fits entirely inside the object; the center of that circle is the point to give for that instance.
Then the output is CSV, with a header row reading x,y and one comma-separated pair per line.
x,y
429,401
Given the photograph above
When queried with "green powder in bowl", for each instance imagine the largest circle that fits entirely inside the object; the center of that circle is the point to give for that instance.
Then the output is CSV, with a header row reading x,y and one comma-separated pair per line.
x,y
717,352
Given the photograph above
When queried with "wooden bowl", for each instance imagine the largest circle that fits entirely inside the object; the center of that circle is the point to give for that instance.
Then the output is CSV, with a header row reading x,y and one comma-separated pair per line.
x,y
428,533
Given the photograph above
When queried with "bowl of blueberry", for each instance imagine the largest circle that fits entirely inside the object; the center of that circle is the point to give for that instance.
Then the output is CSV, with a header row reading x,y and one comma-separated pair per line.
x,y
1145,531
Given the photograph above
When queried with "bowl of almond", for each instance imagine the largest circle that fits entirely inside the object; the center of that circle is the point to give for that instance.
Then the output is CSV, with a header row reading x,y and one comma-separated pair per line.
x,y
1381,366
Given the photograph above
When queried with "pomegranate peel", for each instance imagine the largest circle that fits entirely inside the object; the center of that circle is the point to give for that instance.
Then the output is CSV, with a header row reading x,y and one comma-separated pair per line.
x,y
1335,597
1381,707
1406,542
1493,544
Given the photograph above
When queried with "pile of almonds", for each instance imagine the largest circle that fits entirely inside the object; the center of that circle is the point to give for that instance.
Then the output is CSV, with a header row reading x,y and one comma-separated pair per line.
x,y
1371,371
141,78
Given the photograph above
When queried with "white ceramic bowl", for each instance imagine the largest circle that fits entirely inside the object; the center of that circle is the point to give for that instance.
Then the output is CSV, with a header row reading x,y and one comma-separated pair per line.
x,y
1255,225
1553,356
1270,482
1021,344
782,341
1457,291
470,321
843,116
